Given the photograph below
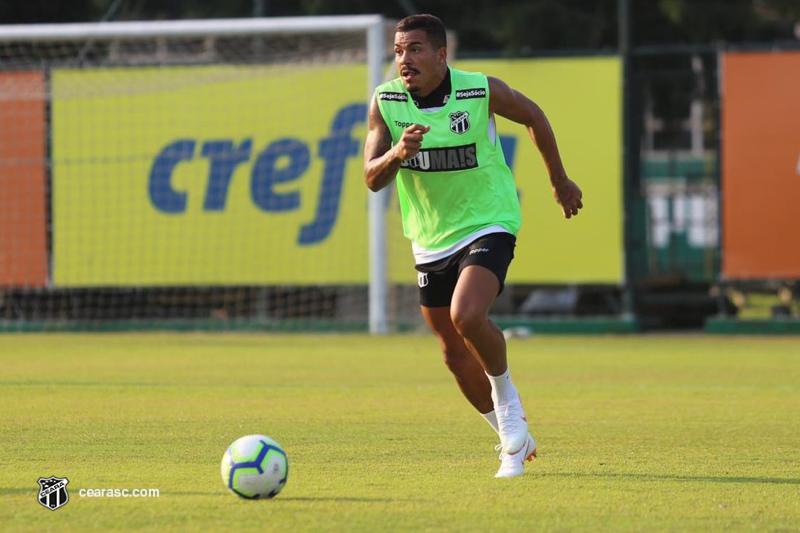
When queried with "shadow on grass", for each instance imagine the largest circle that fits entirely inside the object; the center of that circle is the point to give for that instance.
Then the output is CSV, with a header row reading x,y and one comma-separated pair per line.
x,y
287,498
33,491
12,490
342,499
702,479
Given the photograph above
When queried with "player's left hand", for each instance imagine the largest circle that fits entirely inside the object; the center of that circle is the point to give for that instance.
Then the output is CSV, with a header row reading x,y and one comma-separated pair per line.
x,y
569,197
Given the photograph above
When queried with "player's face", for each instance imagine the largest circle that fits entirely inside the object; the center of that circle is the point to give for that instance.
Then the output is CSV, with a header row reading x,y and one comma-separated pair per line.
x,y
420,64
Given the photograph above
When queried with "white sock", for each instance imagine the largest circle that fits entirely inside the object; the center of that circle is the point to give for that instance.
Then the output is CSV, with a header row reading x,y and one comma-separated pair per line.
x,y
491,417
503,390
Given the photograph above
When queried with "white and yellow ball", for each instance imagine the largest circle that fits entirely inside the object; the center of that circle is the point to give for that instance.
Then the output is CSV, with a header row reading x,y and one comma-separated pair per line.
x,y
255,467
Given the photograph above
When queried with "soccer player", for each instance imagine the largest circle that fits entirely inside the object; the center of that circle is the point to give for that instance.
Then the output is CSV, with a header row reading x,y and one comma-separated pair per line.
x,y
434,129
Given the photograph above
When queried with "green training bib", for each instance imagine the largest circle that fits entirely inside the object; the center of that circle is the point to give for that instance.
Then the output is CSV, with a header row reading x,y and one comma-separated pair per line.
x,y
459,182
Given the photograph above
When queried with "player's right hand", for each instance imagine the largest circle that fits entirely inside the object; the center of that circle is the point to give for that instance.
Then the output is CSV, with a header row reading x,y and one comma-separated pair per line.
x,y
411,141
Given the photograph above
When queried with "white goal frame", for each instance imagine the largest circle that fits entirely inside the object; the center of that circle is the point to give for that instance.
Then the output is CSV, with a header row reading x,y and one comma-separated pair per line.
x,y
372,25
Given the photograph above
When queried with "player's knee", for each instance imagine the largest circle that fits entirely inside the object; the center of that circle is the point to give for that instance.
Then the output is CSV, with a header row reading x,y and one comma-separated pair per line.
x,y
466,320
456,360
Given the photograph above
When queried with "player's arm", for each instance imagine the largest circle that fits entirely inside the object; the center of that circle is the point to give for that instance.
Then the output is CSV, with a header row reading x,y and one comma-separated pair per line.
x,y
381,159
515,106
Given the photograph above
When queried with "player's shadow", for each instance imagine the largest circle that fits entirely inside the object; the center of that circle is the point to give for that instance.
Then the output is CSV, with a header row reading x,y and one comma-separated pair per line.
x,y
701,479
14,490
717,479
342,499
8,491
288,498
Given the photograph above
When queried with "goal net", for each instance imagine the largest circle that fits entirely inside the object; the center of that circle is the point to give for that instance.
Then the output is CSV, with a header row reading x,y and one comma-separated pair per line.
x,y
194,174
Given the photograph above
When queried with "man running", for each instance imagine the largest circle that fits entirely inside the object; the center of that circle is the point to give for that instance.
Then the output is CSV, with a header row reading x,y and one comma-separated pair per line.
x,y
434,129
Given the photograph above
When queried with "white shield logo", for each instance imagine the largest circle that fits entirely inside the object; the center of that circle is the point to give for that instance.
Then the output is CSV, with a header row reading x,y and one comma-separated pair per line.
x,y
422,279
53,492
459,122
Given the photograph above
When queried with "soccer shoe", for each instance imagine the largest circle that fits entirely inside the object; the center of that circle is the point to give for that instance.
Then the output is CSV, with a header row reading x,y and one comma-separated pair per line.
x,y
514,465
512,426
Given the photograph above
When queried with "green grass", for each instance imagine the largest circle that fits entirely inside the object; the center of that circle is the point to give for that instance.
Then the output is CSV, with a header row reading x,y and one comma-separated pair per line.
x,y
639,433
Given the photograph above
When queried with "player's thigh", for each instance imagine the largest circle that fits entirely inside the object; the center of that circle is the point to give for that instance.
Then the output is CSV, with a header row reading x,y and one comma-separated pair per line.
x,y
474,295
482,274
475,291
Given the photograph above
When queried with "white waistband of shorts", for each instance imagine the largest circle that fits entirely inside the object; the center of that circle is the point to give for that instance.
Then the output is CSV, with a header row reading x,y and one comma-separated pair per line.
x,y
423,255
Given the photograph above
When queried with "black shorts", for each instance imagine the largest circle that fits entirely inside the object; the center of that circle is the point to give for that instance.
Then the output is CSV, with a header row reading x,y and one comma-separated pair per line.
x,y
437,280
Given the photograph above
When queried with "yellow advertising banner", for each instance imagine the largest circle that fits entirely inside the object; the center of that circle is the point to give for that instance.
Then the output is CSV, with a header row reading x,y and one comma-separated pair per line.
x,y
209,175
582,97
253,175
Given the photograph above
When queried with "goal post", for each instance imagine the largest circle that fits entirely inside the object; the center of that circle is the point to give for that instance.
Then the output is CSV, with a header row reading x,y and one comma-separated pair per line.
x,y
187,28
378,279
191,172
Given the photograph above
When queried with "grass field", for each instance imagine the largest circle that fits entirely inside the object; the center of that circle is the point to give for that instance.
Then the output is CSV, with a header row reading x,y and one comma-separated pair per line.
x,y
638,433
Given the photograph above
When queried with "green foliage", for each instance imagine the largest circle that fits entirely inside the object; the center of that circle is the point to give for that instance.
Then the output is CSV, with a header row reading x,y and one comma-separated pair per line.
x,y
713,21
635,434
508,26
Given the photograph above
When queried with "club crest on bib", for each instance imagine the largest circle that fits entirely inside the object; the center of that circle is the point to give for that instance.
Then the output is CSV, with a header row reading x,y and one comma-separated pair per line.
x,y
459,122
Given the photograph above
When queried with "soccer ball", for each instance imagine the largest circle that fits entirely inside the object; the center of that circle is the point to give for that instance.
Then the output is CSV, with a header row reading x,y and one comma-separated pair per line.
x,y
255,467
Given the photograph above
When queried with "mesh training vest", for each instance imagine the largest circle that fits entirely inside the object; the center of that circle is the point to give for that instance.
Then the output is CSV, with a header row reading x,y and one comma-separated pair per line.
x,y
459,182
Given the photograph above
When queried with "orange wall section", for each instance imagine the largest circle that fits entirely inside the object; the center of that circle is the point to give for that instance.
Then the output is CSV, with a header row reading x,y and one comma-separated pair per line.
x,y
761,165
23,241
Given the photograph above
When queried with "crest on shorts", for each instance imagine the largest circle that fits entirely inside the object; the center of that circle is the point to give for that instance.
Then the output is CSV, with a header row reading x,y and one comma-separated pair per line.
x,y
53,492
459,122
422,279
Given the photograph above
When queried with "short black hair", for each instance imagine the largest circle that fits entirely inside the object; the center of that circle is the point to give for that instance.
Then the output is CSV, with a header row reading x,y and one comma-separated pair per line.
x,y
431,25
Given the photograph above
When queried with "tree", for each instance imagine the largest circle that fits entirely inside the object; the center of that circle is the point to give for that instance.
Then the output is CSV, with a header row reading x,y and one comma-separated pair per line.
x,y
509,27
